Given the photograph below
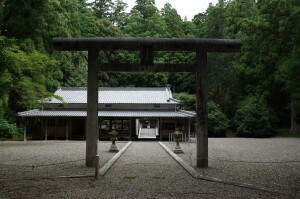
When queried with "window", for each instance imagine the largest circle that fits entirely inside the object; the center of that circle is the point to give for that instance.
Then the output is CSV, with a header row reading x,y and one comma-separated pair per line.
x,y
121,125
168,126
125,125
105,125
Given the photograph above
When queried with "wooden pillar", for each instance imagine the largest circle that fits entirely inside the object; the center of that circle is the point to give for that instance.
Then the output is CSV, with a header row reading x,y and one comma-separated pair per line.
x,y
46,129
130,129
92,135
201,115
160,129
42,127
99,128
55,128
25,126
189,129
67,129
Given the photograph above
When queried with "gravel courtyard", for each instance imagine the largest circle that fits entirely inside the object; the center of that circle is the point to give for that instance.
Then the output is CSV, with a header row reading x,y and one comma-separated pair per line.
x,y
271,162
145,170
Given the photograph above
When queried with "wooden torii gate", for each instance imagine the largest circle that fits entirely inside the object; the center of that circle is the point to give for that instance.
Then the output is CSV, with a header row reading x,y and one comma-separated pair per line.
x,y
146,47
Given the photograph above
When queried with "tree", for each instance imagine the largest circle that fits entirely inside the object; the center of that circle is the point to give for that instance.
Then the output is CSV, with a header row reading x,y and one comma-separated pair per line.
x,y
172,20
214,21
102,8
119,16
267,41
254,118
290,70
187,101
217,120
236,11
145,8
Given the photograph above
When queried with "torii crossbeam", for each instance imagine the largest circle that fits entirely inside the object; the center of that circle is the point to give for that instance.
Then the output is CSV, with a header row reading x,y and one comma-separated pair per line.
x,y
146,47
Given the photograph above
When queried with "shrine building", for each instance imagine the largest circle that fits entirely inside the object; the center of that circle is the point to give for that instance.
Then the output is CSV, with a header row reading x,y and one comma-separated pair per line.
x,y
135,113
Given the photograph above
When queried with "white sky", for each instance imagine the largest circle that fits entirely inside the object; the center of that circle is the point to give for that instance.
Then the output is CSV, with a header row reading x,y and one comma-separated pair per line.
x,y
187,8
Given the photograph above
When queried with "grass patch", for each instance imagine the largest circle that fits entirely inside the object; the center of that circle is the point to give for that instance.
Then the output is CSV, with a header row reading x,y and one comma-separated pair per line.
x,y
286,133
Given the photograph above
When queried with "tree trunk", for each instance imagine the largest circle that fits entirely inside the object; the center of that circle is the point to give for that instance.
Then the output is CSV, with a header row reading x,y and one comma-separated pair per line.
x,y
295,125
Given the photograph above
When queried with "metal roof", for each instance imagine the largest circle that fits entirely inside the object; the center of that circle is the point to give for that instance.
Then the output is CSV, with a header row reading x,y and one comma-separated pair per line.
x,y
113,113
116,95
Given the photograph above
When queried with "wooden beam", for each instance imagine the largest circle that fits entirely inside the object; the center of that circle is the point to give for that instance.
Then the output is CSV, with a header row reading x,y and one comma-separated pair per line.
x,y
92,135
112,67
135,44
201,110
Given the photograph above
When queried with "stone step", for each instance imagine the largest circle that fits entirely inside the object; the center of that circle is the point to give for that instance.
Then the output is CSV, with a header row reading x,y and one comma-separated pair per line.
x,y
148,133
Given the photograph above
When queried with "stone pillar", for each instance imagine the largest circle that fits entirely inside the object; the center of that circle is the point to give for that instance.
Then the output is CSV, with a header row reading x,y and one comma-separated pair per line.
x,y
92,135
201,117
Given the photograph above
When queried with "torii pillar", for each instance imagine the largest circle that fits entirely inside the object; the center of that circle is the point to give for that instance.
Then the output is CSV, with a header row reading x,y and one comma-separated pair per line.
x,y
92,129
147,47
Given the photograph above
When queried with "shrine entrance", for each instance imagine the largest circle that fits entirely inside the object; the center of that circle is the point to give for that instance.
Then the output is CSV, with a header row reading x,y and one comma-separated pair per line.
x,y
147,47
148,128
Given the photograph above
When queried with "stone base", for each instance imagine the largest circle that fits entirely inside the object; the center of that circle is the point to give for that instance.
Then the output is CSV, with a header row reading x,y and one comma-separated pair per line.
x,y
113,148
178,150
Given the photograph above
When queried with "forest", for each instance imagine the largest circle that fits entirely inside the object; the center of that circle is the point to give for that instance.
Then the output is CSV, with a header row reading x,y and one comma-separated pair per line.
x,y
253,93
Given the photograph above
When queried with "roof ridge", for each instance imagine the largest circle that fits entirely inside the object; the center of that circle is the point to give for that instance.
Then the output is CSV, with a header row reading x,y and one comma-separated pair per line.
x,y
112,88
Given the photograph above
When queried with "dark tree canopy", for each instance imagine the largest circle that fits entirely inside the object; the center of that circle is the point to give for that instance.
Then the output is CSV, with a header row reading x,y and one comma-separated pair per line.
x,y
267,69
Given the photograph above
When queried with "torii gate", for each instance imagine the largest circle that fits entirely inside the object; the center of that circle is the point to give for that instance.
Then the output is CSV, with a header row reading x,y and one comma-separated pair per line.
x,y
146,47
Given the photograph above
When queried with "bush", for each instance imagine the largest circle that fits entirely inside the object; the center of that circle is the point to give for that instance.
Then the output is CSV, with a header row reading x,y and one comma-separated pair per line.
x,y
254,118
217,120
8,131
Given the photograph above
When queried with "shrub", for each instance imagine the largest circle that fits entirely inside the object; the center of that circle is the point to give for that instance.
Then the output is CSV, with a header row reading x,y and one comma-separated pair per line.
x,y
254,118
217,120
8,130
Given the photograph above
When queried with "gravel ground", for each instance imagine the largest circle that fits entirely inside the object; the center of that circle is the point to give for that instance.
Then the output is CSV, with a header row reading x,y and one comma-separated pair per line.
x,y
36,159
145,170
272,162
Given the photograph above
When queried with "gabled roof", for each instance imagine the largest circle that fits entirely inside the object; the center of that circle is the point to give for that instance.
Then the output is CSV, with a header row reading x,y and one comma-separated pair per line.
x,y
108,113
116,95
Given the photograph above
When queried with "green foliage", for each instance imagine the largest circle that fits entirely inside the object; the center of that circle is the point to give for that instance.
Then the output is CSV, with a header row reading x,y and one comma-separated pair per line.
x,y
8,130
187,101
268,65
173,21
254,118
214,21
26,77
217,120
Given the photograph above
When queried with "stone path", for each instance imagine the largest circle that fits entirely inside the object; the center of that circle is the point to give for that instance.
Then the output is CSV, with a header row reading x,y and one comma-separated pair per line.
x,y
146,160
146,170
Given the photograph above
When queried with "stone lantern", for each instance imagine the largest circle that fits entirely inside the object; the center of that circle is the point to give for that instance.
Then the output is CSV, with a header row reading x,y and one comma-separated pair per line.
x,y
113,146
177,135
